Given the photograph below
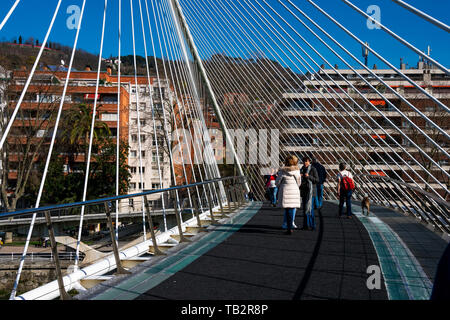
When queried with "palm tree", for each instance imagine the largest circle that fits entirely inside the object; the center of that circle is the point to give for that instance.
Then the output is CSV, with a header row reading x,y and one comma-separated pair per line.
x,y
78,129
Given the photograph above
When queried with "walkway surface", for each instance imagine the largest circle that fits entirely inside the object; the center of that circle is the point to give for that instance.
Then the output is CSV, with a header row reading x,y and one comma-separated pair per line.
x,y
250,258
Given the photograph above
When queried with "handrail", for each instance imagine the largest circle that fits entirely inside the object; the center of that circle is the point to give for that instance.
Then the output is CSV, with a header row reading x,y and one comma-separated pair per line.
x,y
429,195
110,199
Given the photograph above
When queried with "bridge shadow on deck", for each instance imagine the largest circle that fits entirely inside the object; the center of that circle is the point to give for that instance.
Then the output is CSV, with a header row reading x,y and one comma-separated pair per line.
x,y
260,262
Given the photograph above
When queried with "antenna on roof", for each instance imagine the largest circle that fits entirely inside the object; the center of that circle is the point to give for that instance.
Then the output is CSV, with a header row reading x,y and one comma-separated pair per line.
x,y
365,54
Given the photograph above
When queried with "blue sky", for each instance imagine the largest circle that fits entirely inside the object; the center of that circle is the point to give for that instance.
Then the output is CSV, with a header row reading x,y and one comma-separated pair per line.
x,y
32,18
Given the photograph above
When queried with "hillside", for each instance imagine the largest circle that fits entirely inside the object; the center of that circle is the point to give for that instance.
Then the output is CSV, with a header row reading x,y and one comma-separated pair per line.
x,y
14,56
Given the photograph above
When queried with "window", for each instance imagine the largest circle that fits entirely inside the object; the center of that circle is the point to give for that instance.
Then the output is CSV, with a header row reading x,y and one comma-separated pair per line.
x,y
40,133
143,137
137,169
46,98
406,142
131,202
143,154
143,185
133,153
134,138
132,185
158,140
109,98
109,117
158,107
156,186
113,132
134,121
406,124
155,158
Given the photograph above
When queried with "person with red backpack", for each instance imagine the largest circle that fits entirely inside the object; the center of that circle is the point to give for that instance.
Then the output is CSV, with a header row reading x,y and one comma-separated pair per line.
x,y
345,187
272,189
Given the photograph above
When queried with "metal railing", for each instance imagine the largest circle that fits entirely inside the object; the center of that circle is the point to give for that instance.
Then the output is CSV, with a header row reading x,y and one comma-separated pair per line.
x,y
193,199
36,256
409,199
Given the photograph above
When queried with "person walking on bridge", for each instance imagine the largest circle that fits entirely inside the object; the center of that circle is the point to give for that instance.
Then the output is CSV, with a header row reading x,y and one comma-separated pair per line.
x,y
272,187
308,192
288,182
322,172
345,187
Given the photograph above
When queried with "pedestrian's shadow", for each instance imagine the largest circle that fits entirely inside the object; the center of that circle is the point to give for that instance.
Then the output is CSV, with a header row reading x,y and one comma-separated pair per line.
x,y
256,228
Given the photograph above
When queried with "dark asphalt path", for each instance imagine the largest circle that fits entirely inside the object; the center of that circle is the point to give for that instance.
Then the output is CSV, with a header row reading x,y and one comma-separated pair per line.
x,y
260,262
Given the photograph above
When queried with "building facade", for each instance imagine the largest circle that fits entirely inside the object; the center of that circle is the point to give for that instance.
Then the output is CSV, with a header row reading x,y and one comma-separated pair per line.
x,y
375,129
44,95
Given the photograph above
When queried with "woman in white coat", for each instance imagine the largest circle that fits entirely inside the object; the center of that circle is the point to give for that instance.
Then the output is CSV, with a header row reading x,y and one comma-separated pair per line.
x,y
288,183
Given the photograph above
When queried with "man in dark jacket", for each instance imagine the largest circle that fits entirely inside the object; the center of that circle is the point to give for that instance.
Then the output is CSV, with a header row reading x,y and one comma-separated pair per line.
x,y
322,178
441,287
308,192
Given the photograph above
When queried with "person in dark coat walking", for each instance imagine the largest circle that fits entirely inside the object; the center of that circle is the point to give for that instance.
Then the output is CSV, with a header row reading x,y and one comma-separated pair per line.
x,y
308,192
322,172
441,286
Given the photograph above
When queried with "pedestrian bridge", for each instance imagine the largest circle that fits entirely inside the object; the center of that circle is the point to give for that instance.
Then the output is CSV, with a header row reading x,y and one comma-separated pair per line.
x,y
242,253
248,257
252,69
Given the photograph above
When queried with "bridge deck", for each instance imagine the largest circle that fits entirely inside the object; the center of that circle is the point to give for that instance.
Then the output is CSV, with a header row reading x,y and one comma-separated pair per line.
x,y
259,262
250,257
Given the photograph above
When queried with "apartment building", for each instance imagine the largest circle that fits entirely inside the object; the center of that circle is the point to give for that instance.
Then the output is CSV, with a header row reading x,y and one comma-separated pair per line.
x,y
46,89
4,75
315,118
42,99
154,175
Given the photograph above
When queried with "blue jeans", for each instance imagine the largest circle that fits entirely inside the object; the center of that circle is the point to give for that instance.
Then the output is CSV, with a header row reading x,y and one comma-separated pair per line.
x,y
273,195
285,219
347,198
308,217
319,198
289,216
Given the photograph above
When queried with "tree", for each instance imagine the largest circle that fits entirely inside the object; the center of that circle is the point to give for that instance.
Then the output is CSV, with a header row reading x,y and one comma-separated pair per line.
x,y
77,129
20,39
65,185
27,142
66,175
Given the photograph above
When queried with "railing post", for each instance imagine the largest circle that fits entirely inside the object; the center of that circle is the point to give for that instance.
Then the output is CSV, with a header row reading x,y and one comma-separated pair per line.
x,y
240,190
235,195
62,291
156,250
177,215
219,198
210,205
196,210
120,269
229,197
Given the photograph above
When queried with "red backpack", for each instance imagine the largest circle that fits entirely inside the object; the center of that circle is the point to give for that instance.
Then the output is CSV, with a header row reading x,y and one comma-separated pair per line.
x,y
347,184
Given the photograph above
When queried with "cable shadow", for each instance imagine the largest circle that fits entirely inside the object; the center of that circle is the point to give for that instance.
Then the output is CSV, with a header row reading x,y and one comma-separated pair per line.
x,y
309,268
